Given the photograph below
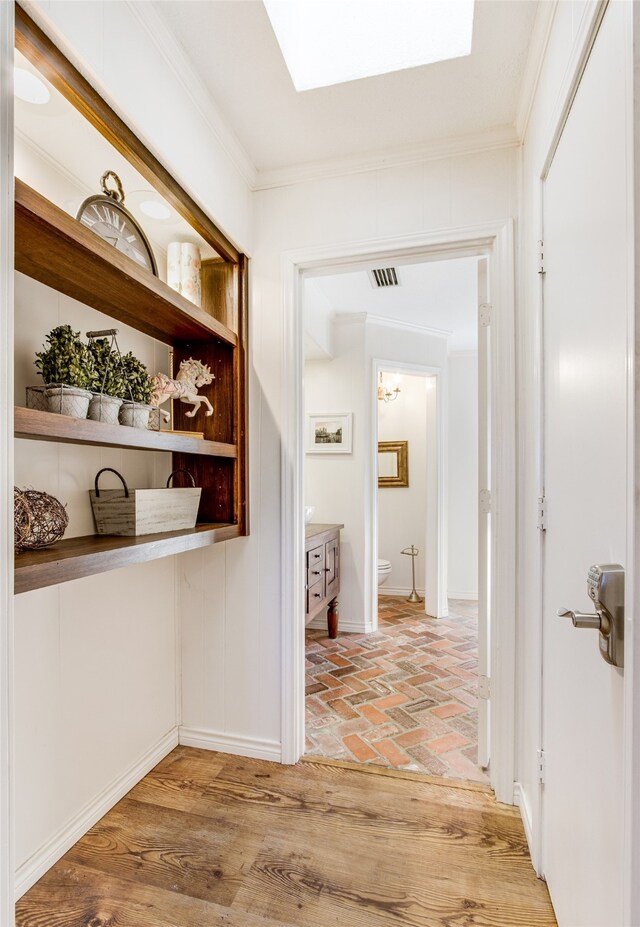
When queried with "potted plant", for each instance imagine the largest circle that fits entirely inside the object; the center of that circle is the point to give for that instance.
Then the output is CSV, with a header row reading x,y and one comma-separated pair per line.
x,y
139,389
111,382
68,370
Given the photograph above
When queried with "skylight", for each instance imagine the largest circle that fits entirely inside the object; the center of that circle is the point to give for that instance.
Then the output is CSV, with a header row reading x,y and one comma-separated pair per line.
x,y
328,42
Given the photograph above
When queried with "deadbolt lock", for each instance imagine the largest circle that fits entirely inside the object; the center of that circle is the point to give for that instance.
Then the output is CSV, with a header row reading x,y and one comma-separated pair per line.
x,y
605,588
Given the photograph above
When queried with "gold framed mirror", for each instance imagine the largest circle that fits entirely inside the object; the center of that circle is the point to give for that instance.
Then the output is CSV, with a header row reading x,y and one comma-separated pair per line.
x,y
393,463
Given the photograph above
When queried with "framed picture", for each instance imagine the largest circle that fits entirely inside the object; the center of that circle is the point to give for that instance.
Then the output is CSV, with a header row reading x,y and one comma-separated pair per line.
x,y
393,463
329,432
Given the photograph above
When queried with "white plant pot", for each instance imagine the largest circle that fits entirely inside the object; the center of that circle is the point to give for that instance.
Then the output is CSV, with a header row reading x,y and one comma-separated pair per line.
x,y
135,414
103,408
68,400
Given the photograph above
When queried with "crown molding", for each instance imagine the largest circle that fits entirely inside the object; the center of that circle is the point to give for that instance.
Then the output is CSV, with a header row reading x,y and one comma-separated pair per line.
x,y
368,318
545,16
47,158
490,140
177,59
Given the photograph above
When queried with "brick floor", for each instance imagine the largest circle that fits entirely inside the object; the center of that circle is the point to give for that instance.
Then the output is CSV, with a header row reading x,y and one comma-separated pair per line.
x,y
404,697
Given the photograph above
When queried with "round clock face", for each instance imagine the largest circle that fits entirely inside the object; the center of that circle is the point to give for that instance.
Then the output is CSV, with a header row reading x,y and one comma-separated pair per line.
x,y
115,224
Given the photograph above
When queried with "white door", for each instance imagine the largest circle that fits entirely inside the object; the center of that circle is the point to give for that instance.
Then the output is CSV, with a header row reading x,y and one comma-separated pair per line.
x,y
586,199
484,516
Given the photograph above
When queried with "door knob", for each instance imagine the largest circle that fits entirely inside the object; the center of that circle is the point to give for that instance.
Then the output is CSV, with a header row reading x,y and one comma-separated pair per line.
x,y
596,620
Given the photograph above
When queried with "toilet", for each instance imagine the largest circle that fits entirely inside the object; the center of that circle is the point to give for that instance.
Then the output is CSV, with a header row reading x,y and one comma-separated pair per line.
x,y
384,571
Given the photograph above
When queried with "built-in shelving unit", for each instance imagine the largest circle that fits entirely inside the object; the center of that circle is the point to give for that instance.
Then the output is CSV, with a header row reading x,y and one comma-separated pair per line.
x,y
52,247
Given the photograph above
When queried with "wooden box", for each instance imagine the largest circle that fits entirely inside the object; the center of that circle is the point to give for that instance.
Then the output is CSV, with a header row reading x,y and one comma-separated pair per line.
x,y
132,512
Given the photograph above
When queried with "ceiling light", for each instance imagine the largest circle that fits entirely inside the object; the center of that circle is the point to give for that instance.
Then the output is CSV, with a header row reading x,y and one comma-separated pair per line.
x,y
30,88
333,41
155,209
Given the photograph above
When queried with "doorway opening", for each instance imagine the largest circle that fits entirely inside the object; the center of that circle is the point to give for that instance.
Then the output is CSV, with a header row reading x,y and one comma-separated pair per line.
x,y
493,242
394,681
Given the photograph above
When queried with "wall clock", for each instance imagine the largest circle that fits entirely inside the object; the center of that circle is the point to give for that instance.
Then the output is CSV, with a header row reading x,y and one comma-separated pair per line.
x,y
106,216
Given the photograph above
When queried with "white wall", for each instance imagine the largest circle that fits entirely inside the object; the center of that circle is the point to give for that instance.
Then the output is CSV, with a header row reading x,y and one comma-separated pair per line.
x,y
333,482
318,322
402,511
96,659
463,475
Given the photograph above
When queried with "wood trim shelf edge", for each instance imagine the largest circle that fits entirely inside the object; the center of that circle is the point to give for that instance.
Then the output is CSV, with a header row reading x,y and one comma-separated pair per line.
x,y
75,558
53,247
35,425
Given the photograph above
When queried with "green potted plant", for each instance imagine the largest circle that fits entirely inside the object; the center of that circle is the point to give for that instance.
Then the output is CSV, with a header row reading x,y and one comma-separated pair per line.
x,y
111,382
139,389
68,370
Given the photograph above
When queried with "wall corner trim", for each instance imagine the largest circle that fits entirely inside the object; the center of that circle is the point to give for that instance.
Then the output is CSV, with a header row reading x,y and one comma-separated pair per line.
x,y
520,799
34,868
533,68
235,744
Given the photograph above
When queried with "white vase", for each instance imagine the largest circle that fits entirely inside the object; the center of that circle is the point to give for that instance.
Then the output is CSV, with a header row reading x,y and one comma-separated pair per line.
x,y
135,414
190,266
103,408
174,272
68,400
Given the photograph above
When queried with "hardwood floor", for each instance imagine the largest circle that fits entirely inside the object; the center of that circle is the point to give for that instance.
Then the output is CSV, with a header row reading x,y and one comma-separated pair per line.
x,y
208,839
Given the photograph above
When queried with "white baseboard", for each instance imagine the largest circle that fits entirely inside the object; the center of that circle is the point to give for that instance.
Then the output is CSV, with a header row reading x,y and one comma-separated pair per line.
x,y
231,743
43,859
406,591
520,799
397,590
349,627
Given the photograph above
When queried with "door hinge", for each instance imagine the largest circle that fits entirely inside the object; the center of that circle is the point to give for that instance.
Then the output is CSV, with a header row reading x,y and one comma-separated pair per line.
x,y
541,766
485,501
542,513
484,687
541,269
484,314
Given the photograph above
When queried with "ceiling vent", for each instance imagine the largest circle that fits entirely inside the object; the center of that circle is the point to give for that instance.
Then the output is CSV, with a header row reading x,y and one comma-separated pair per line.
x,y
384,277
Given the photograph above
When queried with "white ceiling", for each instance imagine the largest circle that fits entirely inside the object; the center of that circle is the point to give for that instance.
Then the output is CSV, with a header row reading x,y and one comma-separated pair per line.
x,y
438,295
231,46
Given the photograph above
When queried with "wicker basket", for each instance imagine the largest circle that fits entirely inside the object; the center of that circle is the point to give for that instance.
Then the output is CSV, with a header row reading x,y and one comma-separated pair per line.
x,y
132,512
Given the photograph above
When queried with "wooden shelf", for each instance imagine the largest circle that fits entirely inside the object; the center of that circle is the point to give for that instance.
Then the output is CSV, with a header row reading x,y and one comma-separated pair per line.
x,y
84,556
53,247
47,426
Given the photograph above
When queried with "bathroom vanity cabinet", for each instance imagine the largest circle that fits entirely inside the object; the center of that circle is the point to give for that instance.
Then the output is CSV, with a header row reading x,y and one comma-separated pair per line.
x,y
322,564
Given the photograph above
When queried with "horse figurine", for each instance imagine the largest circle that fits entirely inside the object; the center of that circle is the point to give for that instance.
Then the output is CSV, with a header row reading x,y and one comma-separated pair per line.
x,y
192,375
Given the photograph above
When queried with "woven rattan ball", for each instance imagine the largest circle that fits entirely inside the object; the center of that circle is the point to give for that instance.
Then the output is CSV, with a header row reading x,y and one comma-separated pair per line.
x,y
47,520
21,518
